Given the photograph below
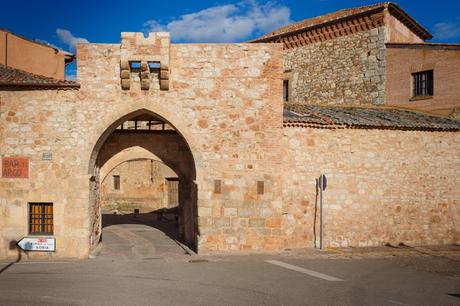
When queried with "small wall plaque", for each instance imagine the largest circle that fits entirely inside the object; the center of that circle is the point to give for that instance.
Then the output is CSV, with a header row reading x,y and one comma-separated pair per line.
x,y
15,167
47,156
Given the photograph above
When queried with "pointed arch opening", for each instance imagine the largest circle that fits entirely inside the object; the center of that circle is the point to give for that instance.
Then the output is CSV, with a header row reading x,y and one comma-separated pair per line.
x,y
147,137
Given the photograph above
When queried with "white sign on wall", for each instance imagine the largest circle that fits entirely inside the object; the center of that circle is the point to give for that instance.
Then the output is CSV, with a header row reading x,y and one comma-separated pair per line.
x,y
37,244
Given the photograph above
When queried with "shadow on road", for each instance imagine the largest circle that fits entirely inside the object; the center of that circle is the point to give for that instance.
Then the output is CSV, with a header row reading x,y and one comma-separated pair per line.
x,y
13,246
164,220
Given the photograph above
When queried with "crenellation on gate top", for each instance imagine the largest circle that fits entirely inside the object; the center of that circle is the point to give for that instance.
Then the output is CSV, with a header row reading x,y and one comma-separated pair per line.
x,y
153,49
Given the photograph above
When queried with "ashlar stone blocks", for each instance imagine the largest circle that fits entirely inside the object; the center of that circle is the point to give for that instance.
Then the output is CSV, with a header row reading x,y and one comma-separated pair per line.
x,y
147,52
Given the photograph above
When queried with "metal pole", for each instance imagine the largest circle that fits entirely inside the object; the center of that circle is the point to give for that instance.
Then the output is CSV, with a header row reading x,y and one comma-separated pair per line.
x,y
321,212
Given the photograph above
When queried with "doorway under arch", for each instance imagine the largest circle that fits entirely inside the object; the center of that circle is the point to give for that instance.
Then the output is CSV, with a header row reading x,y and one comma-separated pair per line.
x,y
155,135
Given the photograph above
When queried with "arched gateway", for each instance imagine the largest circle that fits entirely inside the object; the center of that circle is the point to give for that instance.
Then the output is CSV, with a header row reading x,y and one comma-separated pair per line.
x,y
246,161
147,130
210,113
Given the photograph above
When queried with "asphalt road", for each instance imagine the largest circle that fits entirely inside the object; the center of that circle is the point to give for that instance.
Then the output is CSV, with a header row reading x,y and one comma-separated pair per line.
x,y
165,275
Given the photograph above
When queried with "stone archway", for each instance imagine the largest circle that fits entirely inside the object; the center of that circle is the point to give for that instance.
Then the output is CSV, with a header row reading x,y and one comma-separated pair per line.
x,y
132,153
166,145
146,185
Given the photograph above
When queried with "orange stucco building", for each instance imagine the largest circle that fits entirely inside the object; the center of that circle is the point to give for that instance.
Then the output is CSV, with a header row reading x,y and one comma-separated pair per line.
x,y
31,56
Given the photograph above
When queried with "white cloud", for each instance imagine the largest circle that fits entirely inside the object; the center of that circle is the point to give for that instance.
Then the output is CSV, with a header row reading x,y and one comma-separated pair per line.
x,y
225,23
67,38
446,30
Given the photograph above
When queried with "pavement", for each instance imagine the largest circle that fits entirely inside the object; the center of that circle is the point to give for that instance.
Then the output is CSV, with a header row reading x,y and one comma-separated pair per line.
x,y
141,264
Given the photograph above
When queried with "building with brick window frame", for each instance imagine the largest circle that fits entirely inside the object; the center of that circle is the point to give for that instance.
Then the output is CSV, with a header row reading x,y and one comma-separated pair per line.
x,y
366,56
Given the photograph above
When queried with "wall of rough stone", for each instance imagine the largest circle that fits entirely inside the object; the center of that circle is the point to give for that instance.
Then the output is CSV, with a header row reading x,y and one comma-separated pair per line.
x,y
173,152
143,186
33,123
384,186
226,102
248,187
348,70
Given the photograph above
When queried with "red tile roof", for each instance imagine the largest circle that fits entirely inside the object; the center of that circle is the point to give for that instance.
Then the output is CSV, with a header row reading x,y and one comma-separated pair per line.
x,y
317,116
345,14
14,79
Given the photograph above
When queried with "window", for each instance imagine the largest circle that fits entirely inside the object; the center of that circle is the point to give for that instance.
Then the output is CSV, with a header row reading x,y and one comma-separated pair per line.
x,y
173,191
423,83
116,182
41,218
286,90
135,66
260,187
154,67
217,186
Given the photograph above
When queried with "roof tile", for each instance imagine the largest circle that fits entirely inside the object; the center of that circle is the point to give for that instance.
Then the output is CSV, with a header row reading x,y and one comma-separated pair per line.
x,y
354,117
12,78
341,14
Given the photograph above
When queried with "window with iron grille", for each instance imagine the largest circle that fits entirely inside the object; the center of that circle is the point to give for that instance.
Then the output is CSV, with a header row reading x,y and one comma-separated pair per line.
x,y
41,219
423,83
286,90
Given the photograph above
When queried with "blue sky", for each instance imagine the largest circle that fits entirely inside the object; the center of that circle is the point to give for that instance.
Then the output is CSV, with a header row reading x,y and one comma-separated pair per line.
x,y
64,23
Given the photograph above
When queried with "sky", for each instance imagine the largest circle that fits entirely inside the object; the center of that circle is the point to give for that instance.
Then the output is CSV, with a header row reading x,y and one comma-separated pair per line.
x,y
64,24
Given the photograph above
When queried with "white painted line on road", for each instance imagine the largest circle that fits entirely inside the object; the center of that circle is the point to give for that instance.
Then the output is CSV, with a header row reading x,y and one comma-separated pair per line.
x,y
43,262
398,303
305,271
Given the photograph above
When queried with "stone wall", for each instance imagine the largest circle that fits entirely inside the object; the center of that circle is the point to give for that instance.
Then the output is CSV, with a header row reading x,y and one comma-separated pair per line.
x,y
347,70
143,185
384,186
33,123
246,187
226,102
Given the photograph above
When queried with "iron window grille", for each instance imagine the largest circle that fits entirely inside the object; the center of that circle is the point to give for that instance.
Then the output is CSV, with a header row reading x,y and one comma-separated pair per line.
x,y
423,83
41,219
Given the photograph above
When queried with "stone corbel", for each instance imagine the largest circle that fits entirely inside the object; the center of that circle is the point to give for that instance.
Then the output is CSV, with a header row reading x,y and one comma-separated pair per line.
x,y
125,75
145,75
164,76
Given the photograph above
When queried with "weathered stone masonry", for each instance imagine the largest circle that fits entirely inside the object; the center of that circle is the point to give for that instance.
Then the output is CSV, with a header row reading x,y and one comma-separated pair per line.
x,y
225,100
384,186
143,177
341,58
347,70
247,164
